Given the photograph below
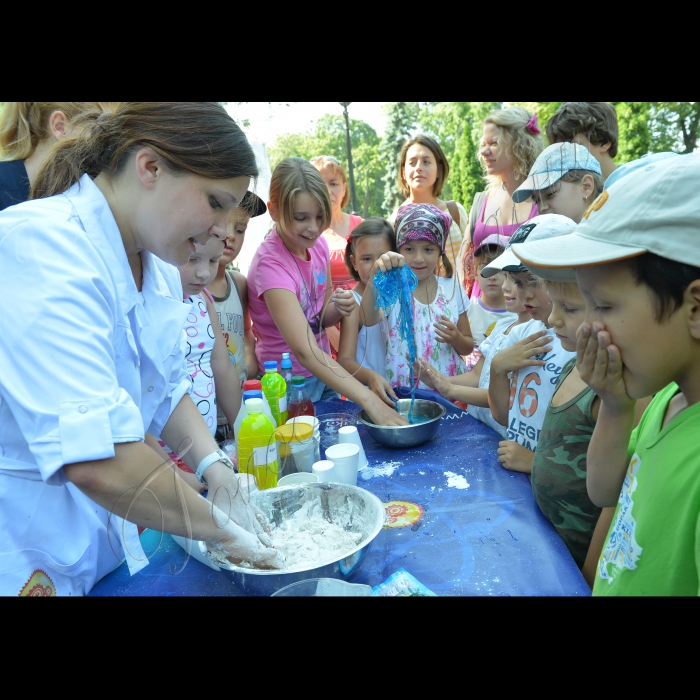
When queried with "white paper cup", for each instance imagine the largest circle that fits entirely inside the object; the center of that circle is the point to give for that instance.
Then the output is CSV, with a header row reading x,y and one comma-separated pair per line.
x,y
301,478
325,471
348,434
346,458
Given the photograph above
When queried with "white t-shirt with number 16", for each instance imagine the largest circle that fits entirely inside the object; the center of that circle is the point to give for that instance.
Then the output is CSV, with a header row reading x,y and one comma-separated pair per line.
x,y
532,388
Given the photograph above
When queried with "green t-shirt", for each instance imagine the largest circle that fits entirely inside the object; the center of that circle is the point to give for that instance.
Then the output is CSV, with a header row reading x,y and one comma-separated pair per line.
x,y
653,547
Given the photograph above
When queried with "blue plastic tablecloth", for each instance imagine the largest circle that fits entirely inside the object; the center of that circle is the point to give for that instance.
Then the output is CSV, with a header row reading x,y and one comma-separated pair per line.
x,y
489,538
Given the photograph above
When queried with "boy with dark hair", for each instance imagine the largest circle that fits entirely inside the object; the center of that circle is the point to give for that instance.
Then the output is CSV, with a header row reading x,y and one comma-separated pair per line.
x,y
637,260
592,124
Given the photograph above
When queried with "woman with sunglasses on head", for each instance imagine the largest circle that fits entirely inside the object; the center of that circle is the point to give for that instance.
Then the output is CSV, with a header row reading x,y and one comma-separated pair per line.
x,y
115,209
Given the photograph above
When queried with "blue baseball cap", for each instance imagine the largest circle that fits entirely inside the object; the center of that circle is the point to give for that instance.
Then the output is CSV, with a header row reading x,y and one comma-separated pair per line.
x,y
552,164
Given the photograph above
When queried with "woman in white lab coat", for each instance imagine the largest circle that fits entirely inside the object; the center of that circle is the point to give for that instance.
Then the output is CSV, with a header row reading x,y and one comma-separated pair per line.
x,y
91,347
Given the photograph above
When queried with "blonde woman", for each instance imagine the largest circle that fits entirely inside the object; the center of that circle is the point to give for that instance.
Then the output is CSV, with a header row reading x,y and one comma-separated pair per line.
x,y
510,144
423,171
27,132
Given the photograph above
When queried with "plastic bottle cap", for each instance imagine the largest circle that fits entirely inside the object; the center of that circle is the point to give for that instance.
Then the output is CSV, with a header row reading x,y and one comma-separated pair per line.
x,y
252,394
252,385
298,381
271,366
295,432
285,355
254,405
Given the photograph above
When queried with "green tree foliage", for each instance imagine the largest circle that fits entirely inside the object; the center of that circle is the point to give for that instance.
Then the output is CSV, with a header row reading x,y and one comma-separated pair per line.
x,y
644,127
633,126
674,126
328,139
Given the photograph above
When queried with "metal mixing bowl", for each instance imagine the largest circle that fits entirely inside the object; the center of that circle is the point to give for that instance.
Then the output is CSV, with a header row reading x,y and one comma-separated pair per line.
x,y
366,516
407,435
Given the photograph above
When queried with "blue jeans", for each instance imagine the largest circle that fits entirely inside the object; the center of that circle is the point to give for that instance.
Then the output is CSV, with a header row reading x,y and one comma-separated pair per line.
x,y
318,391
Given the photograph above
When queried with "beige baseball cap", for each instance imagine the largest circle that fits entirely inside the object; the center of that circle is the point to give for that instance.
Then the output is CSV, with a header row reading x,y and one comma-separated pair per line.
x,y
655,209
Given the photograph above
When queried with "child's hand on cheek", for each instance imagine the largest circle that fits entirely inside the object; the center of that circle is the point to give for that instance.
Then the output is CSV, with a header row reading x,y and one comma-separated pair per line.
x,y
515,457
600,365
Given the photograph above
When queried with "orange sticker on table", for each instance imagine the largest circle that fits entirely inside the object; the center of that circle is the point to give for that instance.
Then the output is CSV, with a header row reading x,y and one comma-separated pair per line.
x,y
39,585
402,513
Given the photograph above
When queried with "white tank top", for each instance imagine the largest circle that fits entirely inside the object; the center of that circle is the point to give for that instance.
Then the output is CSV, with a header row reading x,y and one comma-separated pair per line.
x,y
371,345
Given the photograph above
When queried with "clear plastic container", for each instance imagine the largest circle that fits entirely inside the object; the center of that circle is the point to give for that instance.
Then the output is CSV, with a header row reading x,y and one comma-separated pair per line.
x,y
322,587
296,448
329,424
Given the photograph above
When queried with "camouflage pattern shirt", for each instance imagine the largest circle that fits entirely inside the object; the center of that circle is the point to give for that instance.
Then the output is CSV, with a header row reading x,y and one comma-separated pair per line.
x,y
559,470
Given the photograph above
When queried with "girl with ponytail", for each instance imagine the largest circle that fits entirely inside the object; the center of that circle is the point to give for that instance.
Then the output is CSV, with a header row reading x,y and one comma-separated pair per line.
x,y
115,207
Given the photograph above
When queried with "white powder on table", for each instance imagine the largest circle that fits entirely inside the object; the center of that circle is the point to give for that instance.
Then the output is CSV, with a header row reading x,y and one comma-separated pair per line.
x,y
456,481
383,469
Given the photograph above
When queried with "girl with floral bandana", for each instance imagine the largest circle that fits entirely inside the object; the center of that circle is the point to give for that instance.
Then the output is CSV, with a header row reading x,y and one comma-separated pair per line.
x,y
441,328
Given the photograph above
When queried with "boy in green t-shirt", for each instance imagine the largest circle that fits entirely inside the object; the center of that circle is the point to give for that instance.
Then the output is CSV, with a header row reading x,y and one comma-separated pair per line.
x,y
637,260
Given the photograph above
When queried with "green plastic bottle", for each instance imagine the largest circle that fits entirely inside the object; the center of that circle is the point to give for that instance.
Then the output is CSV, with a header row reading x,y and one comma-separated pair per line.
x,y
275,389
257,446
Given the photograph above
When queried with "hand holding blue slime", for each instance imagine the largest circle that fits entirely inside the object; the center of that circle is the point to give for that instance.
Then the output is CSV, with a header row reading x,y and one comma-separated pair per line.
x,y
395,285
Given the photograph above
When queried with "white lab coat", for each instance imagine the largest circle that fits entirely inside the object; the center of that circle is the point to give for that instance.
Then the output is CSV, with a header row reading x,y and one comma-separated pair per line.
x,y
86,362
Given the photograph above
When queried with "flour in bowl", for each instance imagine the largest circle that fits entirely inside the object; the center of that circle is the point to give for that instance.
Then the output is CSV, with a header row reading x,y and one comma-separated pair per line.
x,y
308,538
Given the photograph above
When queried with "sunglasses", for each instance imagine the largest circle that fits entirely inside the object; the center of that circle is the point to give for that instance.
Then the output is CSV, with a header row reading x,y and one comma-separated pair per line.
x,y
331,158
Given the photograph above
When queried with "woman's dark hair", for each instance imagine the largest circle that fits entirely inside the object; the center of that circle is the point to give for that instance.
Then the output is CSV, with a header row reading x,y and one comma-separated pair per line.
x,y
197,138
374,226
443,167
667,280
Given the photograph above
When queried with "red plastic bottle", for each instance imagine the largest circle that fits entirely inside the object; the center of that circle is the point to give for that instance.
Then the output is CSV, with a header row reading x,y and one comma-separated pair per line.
x,y
299,402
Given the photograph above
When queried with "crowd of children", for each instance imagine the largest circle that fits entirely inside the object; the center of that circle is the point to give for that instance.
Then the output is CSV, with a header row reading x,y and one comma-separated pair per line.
x,y
577,337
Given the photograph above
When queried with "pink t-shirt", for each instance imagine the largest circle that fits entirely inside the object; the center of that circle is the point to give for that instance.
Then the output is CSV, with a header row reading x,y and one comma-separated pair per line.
x,y
274,267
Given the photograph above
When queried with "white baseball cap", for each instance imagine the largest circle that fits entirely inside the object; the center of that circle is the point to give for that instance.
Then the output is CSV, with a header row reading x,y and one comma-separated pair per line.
x,y
655,209
539,228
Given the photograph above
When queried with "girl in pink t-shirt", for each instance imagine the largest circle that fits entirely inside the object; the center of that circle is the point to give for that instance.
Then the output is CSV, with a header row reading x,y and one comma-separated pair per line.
x,y
290,289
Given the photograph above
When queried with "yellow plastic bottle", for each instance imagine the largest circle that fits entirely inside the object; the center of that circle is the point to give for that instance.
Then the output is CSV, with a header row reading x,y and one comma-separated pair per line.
x,y
257,447
275,389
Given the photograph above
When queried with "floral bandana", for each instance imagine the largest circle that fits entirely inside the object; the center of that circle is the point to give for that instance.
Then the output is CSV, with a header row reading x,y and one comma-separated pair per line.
x,y
422,222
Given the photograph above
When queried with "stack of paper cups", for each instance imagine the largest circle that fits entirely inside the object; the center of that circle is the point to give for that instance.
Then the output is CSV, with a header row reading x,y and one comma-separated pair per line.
x,y
350,435
345,457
